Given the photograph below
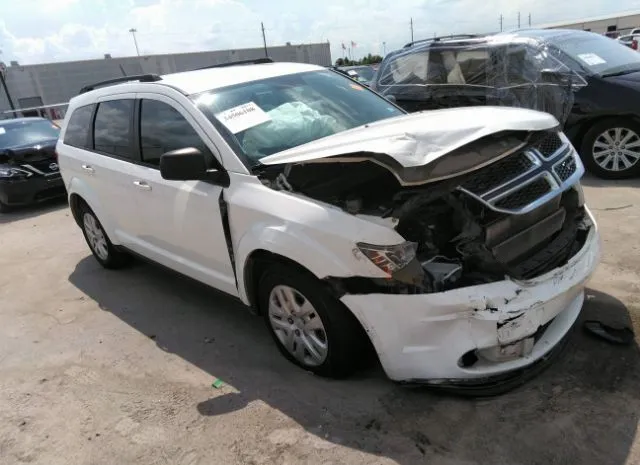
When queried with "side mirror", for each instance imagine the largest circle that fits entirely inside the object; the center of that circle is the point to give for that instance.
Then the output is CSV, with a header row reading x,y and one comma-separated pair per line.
x,y
186,164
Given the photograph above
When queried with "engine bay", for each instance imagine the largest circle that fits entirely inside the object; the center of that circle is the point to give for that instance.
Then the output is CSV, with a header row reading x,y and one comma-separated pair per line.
x,y
460,239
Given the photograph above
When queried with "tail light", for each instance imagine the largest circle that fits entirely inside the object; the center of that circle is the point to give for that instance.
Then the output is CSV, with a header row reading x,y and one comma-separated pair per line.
x,y
634,44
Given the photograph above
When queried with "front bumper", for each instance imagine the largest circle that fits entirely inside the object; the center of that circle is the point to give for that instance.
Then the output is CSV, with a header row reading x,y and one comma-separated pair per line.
x,y
31,190
423,338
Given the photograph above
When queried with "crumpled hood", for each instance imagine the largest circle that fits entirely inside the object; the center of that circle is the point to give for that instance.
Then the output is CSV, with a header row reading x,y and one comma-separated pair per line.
x,y
420,138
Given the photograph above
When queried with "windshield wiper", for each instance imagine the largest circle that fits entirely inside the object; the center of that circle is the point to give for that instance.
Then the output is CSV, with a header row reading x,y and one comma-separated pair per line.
x,y
621,73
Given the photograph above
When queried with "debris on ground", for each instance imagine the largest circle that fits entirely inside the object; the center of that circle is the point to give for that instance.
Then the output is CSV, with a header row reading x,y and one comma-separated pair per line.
x,y
218,383
616,335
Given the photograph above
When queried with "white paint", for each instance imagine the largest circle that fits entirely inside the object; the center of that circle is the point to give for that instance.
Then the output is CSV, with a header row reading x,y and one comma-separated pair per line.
x,y
242,117
424,336
592,59
420,138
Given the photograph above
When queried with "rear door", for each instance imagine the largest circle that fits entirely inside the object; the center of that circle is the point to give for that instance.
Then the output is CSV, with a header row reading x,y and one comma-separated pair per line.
x,y
181,224
111,165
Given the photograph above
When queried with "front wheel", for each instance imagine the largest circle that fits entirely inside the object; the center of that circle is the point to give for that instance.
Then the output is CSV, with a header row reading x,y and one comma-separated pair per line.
x,y
611,148
101,247
310,327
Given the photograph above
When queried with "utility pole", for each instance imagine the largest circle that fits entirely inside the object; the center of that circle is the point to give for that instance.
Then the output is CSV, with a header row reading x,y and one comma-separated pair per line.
x,y
133,33
529,19
264,41
384,49
518,20
6,90
411,23
501,18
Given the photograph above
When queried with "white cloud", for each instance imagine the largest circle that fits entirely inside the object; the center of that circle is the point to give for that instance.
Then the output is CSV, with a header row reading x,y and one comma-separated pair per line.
x,y
80,29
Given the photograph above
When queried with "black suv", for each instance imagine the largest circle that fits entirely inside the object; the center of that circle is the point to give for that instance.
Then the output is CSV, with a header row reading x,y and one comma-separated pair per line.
x,y
28,164
589,82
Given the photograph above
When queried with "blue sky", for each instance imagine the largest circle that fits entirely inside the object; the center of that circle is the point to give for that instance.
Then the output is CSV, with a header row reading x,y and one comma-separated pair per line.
x,y
36,31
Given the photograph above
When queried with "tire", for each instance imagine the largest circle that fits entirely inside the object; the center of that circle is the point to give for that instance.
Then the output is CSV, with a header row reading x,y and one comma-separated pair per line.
x,y
601,138
101,247
340,331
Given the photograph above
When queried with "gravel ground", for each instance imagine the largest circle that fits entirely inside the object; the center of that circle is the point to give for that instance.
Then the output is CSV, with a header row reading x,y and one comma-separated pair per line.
x,y
100,367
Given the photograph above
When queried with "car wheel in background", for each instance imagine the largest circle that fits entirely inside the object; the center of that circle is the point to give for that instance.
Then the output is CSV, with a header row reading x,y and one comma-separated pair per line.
x,y
310,327
101,247
611,148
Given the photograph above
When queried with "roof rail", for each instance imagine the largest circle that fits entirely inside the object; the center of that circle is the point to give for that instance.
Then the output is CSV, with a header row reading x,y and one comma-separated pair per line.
x,y
133,77
255,61
438,39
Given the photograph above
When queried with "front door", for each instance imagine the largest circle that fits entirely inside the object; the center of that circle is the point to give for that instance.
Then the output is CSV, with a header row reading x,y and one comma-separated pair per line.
x,y
181,225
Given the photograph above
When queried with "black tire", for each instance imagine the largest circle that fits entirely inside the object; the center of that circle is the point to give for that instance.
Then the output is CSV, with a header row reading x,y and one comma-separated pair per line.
x,y
589,140
113,258
343,334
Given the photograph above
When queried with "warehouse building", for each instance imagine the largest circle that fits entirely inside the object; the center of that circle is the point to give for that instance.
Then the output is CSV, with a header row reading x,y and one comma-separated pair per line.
x,y
621,23
45,89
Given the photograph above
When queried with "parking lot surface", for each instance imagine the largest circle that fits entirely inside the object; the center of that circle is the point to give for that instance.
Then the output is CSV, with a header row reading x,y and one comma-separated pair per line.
x,y
104,367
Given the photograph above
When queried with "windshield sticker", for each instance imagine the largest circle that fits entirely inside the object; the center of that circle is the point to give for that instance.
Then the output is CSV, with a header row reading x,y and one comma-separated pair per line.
x,y
591,59
242,117
356,87
2,130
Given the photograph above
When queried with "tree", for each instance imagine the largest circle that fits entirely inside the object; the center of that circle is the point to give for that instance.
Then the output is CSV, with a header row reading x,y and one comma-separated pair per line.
x,y
339,62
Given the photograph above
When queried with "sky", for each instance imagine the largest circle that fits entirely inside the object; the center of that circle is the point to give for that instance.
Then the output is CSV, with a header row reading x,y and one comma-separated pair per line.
x,y
42,31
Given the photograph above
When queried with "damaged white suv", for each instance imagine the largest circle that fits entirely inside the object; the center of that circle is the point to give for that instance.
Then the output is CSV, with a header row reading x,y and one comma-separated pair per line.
x,y
456,242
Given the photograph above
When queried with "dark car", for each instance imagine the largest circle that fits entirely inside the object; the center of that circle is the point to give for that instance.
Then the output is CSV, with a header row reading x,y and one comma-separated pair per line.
x,y
533,69
363,73
28,163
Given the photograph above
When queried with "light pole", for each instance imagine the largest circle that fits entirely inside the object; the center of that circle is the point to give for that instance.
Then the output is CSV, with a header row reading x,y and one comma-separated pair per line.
x,y
384,49
133,33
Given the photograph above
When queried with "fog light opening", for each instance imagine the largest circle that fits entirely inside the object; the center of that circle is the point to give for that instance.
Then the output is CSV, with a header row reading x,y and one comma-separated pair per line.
x,y
468,360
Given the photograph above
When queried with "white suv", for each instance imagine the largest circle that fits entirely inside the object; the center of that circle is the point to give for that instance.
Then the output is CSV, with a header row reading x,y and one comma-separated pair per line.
x,y
455,242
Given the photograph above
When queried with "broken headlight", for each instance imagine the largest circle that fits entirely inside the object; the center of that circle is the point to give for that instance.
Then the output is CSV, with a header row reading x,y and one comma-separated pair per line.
x,y
389,258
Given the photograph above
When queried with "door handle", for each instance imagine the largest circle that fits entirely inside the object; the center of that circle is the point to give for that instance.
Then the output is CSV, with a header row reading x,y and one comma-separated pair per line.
x,y
142,185
88,169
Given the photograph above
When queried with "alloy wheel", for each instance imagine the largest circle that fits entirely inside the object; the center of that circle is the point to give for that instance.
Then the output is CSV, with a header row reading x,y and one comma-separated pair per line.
x,y
617,149
297,325
95,236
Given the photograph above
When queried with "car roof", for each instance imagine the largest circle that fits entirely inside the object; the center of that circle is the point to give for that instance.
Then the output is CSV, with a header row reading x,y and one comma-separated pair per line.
x,y
205,79
9,122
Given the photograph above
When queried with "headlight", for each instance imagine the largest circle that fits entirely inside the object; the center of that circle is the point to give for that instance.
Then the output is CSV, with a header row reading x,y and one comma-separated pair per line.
x,y
6,172
389,258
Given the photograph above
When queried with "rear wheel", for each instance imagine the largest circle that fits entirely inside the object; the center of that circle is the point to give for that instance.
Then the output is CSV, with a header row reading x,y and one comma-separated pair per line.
x,y
611,148
101,247
310,327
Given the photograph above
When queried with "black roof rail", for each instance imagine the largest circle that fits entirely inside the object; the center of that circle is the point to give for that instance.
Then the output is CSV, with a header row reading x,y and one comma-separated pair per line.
x,y
255,61
133,77
438,39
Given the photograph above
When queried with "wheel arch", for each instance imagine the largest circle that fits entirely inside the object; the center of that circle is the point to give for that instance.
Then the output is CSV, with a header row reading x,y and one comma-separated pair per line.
x,y
577,133
80,193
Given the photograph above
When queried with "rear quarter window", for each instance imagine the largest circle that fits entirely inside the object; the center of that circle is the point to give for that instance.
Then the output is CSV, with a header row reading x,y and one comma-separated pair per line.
x,y
79,127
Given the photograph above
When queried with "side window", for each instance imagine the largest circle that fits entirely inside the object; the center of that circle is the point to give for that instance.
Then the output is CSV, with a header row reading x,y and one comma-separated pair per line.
x,y
79,127
112,128
162,129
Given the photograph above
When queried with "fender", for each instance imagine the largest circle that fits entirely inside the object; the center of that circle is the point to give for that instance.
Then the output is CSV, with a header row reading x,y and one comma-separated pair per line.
x,y
294,244
81,188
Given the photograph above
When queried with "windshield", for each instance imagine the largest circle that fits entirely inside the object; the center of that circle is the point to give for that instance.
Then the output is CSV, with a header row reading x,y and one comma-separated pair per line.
x,y
15,134
271,115
599,54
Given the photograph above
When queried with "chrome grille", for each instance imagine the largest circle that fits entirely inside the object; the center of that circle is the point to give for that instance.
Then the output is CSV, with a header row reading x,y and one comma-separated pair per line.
x,y
549,144
525,195
494,175
565,168
523,181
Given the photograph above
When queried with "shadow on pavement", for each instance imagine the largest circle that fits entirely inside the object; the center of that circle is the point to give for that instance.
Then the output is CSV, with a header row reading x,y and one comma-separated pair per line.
x,y
31,211
583,409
